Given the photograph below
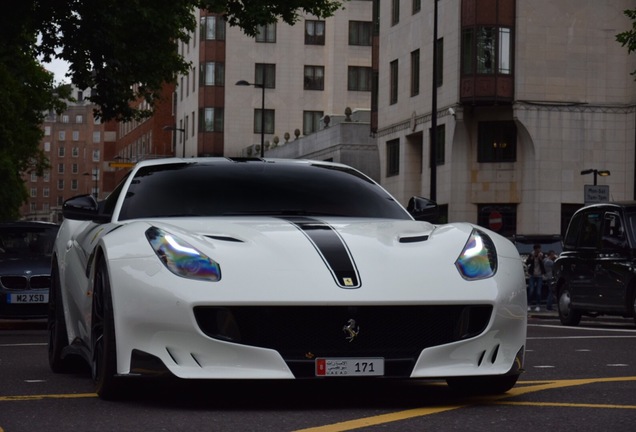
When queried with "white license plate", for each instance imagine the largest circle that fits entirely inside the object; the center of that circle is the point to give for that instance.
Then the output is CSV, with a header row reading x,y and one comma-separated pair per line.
x,y
347,367
28,298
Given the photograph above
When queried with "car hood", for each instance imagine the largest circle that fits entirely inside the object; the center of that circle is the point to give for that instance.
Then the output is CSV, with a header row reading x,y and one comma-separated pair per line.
x,y
391,257
35,265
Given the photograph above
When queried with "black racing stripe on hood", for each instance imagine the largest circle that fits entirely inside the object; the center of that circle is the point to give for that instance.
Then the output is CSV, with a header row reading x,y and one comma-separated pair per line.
x,y
331,248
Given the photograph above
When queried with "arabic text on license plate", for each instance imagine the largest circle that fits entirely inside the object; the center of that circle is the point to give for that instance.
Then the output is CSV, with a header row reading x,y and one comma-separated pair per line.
x,y
28,298
350,367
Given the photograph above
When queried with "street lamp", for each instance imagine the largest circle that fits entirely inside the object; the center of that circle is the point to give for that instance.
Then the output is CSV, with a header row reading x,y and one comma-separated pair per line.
x,y
182,130
602,173
262,86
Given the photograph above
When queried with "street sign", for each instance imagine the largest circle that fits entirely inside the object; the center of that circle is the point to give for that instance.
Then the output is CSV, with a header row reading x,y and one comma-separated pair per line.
x,y
596,194
495,220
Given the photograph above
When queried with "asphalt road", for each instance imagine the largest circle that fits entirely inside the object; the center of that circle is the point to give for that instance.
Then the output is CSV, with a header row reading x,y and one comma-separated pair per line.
x,y
577,379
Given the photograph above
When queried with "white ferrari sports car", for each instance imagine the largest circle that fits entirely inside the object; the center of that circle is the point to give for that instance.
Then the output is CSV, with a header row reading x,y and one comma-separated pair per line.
x,y
218,268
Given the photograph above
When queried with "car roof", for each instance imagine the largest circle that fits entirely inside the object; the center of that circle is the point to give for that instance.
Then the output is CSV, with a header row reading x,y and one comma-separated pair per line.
x,y
627,205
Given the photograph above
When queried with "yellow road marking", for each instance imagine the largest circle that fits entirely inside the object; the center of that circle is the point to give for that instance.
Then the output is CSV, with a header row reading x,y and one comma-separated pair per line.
x,y
522,388
47,396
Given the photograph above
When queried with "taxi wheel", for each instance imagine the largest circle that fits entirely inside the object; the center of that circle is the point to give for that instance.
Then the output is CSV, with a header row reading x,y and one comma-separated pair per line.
x,y
567,315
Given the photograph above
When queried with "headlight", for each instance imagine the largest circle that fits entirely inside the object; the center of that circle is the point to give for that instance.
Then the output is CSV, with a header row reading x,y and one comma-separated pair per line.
x,y
181,258
478,260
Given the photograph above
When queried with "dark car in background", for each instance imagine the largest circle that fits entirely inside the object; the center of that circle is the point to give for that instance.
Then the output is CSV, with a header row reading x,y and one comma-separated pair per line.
x,y
595,274
25,268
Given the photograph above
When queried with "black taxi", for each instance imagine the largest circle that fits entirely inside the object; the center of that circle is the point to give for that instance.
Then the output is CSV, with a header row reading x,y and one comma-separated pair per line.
x,y
596,272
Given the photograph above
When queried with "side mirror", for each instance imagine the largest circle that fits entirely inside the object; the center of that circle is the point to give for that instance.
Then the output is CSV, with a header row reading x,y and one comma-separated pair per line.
x,y
83,207
423,209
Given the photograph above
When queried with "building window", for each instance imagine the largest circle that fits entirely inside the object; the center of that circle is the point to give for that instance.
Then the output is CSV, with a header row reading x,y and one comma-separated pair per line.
x,y
392,157
311,121
212,28
314,78
60,168
212,74
395,12
45,192
34,192
497,141
314,32
60,184
47,176
79,118
439,63
34,176
393,71
269,69
359,78
33,206
47,146
65,118
266,33
440,146
75,152
96,155
211,119
75,135
360,33
417,6
61,135
97,137
74,184
60,151
74,168
415,73
269,121
47,130
487,50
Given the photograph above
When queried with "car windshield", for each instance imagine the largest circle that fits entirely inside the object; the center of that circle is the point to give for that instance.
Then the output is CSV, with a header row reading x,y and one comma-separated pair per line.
x,y
255,188
27,240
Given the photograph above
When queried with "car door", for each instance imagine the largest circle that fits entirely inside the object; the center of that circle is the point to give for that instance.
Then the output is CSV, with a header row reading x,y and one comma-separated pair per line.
x,y
582,262
612,271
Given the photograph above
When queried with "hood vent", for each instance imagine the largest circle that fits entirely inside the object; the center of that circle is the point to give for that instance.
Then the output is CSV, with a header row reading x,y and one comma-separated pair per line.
x,y
414,238
224,238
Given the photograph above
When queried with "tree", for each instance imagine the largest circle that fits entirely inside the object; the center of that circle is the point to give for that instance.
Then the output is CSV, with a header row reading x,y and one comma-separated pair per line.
x,y
628,37
122,50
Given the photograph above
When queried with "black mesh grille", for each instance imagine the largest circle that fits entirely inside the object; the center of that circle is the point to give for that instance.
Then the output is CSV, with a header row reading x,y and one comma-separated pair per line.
x,y
24,283
14,282
301,333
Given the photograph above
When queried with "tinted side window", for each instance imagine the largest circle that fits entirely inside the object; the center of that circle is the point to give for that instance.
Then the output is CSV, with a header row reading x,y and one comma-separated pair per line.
x,y
613,232
590,230
569,242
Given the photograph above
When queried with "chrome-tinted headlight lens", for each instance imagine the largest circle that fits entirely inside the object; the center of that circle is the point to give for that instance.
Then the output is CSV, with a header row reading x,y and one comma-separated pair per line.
x,y
478,260
181,258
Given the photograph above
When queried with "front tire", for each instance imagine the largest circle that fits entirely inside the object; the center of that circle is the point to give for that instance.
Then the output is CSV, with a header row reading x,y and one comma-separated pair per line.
x,y
486,385
104,352
568,315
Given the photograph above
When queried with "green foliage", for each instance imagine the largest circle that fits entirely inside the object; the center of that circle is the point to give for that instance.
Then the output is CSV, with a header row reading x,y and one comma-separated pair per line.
x,y
122,50
628,38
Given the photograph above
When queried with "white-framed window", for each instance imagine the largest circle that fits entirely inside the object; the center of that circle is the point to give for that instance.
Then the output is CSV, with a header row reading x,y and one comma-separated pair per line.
x,y
97,136
79,118
47,130
34,192
61,151
61,135
96,155
75,135
47,146
46,192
